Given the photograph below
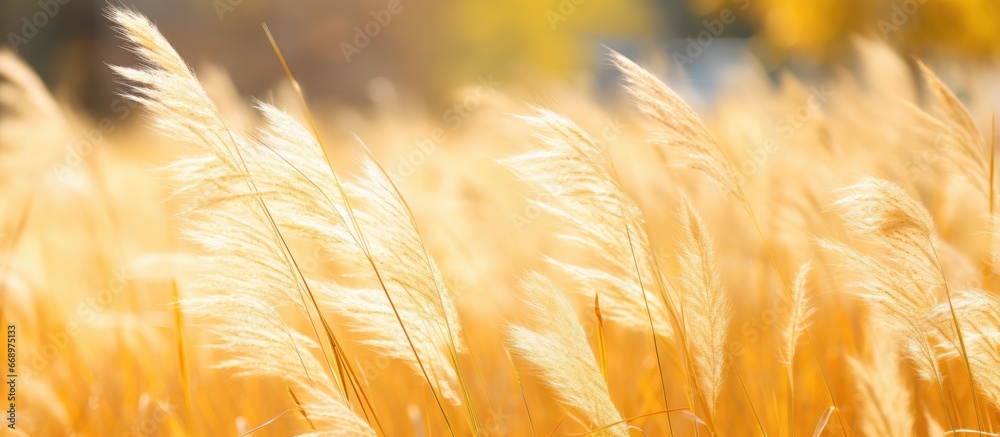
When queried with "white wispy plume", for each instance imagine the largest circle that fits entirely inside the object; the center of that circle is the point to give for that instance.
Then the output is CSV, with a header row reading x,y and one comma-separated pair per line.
x,y
248,270
555,344
680,128
707,310
966,152
260,344
304,200
798,320
405,309
604,220
905,284
412,280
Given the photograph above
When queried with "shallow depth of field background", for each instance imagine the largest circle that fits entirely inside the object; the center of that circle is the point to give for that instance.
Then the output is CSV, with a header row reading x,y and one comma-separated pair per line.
x,y
84,208
429,49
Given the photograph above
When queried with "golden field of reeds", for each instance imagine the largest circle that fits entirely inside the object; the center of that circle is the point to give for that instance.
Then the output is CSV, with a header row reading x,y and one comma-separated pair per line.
x,y
796,259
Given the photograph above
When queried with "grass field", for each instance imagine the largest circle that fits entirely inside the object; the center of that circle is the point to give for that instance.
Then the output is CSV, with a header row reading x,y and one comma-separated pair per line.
x,y
795,259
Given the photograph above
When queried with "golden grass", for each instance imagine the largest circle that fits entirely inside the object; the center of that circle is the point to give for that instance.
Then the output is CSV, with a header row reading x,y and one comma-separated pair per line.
x,y
534,276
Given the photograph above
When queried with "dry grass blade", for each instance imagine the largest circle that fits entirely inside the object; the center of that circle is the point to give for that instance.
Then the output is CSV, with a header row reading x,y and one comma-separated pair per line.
x,y
746,395
302,411
182,357
823,421
520,388
602,347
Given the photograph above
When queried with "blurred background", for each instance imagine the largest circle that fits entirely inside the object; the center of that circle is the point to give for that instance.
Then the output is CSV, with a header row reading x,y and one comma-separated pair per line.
x,y
354,53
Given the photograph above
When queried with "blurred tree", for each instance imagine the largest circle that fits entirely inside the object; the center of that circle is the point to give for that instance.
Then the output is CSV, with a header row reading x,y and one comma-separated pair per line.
x,y
819,30
557,37
427,48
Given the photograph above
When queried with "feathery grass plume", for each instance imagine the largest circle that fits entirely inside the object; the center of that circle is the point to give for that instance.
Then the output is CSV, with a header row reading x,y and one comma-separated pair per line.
x,y
885,408
302,192
221,179
903,304
707,308
682,129
165,85
289,204
412,279
797,323
966,149
902,285
798,320
236,221
260,344
609,223
168,89
979,315
377,234
884,212
555,343
291,175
